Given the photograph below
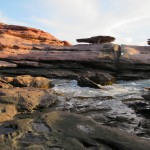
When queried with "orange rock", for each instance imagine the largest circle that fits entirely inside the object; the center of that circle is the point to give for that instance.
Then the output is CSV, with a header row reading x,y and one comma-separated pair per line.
x,y
7,112
25,99
20,37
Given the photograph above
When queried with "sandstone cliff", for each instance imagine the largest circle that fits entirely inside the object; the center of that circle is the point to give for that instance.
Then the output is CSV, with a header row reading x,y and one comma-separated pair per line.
x,y
20,37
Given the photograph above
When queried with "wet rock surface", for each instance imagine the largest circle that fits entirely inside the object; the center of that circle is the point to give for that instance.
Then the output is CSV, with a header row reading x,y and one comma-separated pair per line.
x,y
39,113
109,106
95,79
62,130
28,99
65,118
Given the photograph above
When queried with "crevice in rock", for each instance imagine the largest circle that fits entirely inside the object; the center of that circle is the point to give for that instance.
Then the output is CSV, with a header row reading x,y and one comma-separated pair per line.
x,y
86,144
113,146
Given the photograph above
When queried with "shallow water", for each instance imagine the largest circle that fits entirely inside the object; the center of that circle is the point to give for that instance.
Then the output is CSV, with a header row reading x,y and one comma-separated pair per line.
x,y
120,89
104,105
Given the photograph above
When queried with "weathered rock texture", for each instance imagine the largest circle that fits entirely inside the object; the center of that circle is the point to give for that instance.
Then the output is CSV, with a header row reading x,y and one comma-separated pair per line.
x,y
24,100
61,130
73,61
6,64
33,52
94,79
20,37
25,81
97,39
28,81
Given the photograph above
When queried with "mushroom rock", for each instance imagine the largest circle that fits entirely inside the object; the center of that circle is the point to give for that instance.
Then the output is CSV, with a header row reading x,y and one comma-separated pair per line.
x,y
97,39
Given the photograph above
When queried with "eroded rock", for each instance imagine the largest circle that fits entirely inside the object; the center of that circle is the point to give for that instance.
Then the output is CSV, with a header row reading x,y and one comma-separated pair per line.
x,y
7,112
67,131
20,37
95,79
4,83
28,99
86,82
7,64
97,39
29,81
146,95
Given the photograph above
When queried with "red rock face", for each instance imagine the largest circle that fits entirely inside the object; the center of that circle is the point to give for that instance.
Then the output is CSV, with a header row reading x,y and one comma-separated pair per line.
x,y
20,37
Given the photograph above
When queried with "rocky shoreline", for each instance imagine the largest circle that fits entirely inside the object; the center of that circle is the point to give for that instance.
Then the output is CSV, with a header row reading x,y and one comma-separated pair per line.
x,y
32,118
34,115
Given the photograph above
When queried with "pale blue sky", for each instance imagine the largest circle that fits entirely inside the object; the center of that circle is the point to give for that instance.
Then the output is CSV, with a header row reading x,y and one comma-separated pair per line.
x,y
127,20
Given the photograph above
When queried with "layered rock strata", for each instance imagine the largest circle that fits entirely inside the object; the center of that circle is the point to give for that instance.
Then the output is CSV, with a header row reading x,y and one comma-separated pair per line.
x,y
34,52
20,37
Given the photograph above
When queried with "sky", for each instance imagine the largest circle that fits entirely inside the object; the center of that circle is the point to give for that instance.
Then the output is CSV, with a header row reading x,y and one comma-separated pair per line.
x,y
126,20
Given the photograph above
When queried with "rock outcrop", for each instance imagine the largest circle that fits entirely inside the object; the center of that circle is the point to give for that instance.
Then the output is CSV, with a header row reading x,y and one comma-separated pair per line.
x,y
146,95
25,81
28,81
27,99
35,116
34,52
95,79
62,130
97,39
148,41
25,38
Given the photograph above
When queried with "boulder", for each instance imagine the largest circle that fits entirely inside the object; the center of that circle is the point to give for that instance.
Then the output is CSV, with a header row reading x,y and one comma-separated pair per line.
x,y
139,105
29,81
102,78
86,82
146,95
28,99
95,79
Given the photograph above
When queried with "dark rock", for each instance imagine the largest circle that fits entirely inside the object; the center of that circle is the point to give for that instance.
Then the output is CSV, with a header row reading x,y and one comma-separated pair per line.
x,y
61,130
93,79
85,82
102,78
97,39
146,96
140,106
148,42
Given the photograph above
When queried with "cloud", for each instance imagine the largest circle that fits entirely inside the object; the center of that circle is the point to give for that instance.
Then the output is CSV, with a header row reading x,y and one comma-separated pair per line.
x,y
84,18
127,20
